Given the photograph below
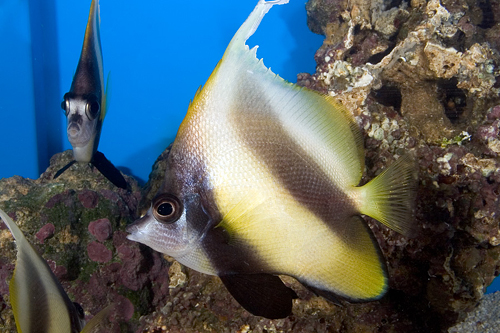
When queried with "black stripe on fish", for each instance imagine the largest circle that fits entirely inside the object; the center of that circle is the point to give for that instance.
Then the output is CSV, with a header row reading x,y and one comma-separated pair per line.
x,y
259,293
86,79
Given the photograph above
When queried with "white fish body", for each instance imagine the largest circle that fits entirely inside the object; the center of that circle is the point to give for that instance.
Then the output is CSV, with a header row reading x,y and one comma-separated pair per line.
x,y
262,179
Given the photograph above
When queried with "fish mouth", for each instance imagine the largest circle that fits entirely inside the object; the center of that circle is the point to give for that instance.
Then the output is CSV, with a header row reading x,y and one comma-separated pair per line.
x,y
134,228
131,229
73,130
137,230
133,233
79,135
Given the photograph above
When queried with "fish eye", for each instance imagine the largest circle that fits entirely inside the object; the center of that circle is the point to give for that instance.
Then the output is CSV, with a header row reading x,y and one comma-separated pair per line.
x,y
92,109
167,208
79,310
65,106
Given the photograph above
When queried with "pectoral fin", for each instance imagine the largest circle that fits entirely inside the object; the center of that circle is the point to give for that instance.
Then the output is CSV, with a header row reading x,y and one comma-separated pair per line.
x,y
108,170
263,295
64,168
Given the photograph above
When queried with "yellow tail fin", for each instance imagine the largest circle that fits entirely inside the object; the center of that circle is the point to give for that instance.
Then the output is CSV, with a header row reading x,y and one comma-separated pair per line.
x,y
389,197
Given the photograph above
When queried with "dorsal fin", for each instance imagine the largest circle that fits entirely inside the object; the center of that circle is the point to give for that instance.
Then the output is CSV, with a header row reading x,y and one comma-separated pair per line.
x,y
242,86
38,301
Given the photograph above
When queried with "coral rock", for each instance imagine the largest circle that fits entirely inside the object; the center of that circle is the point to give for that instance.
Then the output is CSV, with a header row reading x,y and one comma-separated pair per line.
x,y
101,229
98,252
45,232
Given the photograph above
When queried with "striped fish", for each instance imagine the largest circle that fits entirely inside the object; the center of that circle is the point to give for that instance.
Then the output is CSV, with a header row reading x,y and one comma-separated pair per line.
x,y
38,300
262,179
85,105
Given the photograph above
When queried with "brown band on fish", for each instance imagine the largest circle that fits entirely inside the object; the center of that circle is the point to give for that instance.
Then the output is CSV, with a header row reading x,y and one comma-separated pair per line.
x,y
227,258
300,175
190,170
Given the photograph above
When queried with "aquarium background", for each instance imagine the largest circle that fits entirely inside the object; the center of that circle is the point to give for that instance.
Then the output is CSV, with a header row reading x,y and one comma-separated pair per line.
x,y
157,53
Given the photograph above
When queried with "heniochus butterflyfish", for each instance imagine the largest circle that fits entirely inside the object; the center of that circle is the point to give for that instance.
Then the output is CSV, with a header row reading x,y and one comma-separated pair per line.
x,y
85,105
38,300
262,179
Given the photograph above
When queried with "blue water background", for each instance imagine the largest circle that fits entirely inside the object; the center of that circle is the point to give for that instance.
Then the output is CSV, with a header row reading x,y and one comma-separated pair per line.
x,y
158,54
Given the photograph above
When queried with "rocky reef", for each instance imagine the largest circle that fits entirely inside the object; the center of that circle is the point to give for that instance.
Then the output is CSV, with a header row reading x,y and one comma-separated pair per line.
x,y
423,77
420,78
76,223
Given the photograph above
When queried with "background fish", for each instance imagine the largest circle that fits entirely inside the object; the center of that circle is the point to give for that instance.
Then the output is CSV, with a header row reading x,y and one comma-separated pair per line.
x,y
262,180
38,300
85,105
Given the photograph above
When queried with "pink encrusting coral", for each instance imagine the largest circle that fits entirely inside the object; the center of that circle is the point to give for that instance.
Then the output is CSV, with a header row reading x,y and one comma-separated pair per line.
x,y
45,232
101,229
89,199
99,252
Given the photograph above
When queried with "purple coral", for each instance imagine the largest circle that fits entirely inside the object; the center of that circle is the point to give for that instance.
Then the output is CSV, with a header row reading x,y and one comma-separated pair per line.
x,y
98,252
45,232
124,307
88,198
494,114
101,229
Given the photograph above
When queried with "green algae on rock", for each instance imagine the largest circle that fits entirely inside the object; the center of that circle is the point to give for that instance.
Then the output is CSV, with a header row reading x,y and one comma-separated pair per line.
x,y
95,267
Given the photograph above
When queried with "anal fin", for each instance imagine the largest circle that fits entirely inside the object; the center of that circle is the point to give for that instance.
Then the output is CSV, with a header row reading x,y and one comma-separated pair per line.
x,y
108,170
262,295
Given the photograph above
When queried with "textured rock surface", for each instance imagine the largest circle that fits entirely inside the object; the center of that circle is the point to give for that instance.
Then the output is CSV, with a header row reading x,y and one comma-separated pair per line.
x,y
76,223
424,77
484,319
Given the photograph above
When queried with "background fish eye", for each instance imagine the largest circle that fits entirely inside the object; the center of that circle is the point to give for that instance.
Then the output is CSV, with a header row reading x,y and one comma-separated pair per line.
x,y
79,309
65,106
167,208
92,109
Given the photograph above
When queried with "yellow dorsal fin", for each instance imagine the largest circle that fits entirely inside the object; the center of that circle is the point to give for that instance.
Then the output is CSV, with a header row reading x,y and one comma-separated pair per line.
x,y
242,86
105,98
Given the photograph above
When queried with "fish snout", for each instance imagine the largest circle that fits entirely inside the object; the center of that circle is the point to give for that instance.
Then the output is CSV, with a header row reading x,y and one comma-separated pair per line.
x,y
73,129
135,230
132,229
